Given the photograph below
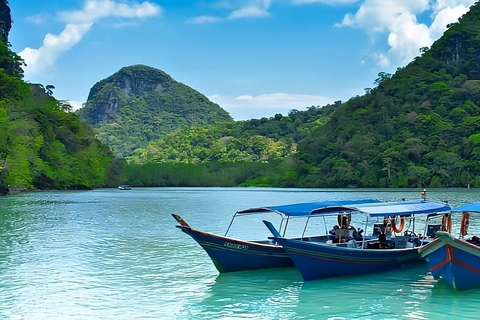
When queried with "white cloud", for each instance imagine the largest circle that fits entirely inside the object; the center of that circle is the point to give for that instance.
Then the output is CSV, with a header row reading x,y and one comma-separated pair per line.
x,y
240,9
330,2
398,18
443,4
94,10
445,16
249,12
204,19
267,105
40,59
382,60
37,18
78,23
407,37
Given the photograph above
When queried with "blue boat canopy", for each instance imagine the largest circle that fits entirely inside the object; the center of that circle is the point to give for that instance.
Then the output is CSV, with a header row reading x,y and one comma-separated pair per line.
x,y
468,207
384,209
304,209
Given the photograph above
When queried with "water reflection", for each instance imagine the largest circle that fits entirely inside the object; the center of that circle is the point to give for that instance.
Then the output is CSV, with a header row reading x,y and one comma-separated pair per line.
x,y
114,255
262,294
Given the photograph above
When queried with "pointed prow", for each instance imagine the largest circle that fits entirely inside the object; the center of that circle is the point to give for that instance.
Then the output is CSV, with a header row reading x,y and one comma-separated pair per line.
x,y
180,220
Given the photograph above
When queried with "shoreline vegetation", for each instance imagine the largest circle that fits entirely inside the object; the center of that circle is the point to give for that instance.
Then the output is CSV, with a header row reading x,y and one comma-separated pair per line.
x,y
417,128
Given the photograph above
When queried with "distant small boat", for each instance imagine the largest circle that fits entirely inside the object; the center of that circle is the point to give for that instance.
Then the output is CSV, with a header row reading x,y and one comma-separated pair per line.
x,y
124,187
455,260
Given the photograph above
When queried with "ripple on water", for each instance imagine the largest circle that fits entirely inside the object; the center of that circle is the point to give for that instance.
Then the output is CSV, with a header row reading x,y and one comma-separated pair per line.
x,y
111,255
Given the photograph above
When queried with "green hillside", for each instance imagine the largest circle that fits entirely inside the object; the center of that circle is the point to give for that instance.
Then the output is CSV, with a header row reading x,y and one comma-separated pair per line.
x,y
419,127
41,144
263,140
138,104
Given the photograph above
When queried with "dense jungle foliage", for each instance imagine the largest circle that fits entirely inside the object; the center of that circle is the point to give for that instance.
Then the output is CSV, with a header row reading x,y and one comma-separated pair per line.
x,y
264,140
419,127
41,144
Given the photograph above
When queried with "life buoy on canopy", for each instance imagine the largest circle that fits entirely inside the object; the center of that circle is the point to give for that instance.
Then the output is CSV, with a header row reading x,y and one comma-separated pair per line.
x,y
447,222
464,224
393,223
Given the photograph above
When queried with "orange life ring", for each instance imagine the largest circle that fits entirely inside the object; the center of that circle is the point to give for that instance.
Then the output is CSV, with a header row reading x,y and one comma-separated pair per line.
x,y
464,224
447,222
394,225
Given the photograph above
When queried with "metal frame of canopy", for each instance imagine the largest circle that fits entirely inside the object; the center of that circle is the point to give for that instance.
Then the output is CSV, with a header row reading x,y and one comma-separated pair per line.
x,y
389,209
470,207
297,210
466,209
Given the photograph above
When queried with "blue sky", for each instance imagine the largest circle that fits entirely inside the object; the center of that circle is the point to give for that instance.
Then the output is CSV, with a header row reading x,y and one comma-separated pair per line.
x,y
255,58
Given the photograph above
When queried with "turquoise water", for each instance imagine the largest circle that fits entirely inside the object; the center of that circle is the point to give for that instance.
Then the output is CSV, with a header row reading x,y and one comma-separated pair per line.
x,y
111,254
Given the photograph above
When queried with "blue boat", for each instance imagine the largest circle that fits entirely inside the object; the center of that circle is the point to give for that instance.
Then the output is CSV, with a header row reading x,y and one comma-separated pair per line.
x,y
455,260
393,248
231,254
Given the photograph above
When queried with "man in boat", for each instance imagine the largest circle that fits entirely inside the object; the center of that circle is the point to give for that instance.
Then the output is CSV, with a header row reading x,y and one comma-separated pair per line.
x,y
345,231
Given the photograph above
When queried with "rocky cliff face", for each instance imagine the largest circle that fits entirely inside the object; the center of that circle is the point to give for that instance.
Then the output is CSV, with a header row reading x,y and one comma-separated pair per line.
x,y
5,25
459,47
5,20
139,103
107,95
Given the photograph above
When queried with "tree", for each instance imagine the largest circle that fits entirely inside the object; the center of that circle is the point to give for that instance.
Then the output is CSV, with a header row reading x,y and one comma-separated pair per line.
x,y
382,76
49,89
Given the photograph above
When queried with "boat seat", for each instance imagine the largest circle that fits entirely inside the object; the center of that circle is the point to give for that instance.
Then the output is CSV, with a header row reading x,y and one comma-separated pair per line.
x,y
432,230
401,242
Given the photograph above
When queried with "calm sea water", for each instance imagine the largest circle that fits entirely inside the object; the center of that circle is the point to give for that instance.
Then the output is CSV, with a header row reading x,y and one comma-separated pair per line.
x,y
111,254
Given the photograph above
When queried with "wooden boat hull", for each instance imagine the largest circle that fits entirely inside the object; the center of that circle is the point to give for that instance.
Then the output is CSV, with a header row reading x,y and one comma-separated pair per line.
x,y
319,261
455,261
232,255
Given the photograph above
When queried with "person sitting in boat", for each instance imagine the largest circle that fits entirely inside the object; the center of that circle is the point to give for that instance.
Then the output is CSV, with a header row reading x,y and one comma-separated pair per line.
x,y
344,220
341,231
358,235
381,243
336,234
382,240
340,234
345,234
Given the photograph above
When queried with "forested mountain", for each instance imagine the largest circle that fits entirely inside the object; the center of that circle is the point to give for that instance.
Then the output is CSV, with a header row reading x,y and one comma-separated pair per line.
x,y
265,140
41,144
419,127
138,104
